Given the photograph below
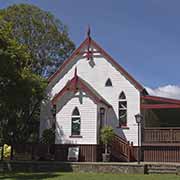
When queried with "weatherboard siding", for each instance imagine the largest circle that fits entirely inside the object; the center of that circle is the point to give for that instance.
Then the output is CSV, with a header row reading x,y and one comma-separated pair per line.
x,y
96,76
88,114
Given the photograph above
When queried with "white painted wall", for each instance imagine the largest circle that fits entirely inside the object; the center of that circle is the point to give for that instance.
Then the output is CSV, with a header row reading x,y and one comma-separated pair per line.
x,y
96,76
88,113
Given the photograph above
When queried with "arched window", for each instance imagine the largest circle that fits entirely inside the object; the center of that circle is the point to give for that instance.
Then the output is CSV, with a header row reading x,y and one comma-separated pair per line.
x,y
122,110
76,122
108,83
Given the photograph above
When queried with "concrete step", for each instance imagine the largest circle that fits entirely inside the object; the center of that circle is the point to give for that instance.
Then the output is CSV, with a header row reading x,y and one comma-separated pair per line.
x,y
161,169
161,172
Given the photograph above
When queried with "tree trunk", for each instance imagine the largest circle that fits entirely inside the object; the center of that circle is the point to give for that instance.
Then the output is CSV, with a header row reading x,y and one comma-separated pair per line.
x,y
48,149
106,148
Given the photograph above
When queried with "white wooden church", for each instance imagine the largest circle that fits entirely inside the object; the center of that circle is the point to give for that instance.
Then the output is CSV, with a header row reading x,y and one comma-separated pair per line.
x,y
91,90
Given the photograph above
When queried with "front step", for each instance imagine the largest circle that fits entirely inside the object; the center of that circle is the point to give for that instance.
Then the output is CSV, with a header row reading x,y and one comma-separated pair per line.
x,y
164,171
161,169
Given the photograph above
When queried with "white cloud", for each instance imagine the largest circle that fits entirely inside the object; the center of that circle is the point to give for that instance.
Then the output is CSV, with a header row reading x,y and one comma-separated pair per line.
x,y
169,91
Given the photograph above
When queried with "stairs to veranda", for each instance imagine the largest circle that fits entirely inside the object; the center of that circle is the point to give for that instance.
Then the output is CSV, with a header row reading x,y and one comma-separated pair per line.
x,y
121,150
161,169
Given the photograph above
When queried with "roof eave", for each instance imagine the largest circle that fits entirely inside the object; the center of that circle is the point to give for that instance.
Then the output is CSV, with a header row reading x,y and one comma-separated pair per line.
x,y
106,55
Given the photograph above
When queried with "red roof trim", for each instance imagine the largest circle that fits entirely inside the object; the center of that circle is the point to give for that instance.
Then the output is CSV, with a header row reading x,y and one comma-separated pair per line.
x,y
162,99
74,54
61,93
76,82
121,69
160,106
106,55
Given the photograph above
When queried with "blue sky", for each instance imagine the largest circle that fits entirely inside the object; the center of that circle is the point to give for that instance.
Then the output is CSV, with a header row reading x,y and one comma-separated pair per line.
x,y
142,35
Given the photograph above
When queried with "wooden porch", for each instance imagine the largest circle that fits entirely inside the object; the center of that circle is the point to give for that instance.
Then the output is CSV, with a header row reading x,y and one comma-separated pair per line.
x,y
160,129
163,135
161,144
158,145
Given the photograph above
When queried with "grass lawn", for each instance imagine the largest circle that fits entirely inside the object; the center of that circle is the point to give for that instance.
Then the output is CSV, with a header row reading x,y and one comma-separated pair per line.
x,y
83,176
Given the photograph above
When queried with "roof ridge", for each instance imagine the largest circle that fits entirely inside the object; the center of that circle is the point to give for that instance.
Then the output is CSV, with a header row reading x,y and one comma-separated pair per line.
x,y
73,55
106,55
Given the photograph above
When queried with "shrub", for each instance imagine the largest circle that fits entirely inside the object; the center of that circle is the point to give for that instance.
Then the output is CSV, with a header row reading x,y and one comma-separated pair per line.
x,y
6,151
107,134
48,136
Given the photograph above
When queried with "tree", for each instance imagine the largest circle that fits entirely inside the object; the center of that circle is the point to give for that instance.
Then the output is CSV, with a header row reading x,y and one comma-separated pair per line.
x,y
48,136
45,36
107,134
21,90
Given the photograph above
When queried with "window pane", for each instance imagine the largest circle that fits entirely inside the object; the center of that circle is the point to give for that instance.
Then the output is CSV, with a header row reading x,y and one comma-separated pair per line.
x,y
122,96
122,104
108,82
76,126
122,117
75,112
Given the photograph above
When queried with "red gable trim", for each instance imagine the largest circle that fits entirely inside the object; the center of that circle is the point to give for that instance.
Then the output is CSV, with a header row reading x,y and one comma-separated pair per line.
x,y
74,54
60,94
161,99
160,106
121,69
73,85
106,55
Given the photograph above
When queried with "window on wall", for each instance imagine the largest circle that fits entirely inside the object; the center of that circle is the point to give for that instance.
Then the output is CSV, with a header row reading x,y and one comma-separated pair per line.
x,y
122,110
76,122
108,83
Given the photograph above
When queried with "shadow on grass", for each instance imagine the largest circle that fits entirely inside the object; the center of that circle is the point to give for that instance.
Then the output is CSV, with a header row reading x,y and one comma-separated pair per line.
x,y
28,176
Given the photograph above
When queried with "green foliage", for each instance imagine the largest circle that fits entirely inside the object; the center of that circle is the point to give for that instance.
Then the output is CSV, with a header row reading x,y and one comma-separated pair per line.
x,y
48,136
45,37
0,152
107,134
21,91
6,151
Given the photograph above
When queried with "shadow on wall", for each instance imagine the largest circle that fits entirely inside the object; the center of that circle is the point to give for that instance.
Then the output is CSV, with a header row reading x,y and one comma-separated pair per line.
x,y
113,121
112,118
46,117
60,136
92,62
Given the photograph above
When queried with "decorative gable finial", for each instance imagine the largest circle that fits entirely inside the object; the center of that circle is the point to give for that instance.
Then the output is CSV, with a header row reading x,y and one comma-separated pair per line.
x,y
88,32
89,54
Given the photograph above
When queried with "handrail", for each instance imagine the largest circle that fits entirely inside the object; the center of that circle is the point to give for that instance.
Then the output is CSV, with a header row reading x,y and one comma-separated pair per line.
x,y
161,135
121,139
154,128
121,147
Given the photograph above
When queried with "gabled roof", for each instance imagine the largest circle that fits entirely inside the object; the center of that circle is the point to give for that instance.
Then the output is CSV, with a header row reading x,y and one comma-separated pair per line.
x,y
67,61
161,99
85,43
75,84
155,102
